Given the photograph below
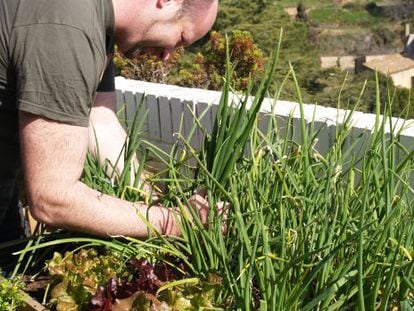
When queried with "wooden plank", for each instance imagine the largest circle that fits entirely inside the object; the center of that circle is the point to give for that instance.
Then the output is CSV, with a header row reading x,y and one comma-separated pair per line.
x,y
154,129
407,142
176,115
296,130
130,107
203,112
280,125
324,137
359,140
141,109
119,98
165,120
30,304
190,124
263,120
213,113
120,107
187,118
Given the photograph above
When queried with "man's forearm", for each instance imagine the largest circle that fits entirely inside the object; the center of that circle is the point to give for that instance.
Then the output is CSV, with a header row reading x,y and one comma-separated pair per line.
x,y
53,155
86,210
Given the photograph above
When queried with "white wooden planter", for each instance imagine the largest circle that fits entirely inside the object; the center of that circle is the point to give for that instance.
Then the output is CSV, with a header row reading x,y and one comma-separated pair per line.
x,y
167,104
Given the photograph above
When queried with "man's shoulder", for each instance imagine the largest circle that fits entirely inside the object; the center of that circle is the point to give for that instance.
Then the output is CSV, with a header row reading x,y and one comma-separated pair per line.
x,y
82,14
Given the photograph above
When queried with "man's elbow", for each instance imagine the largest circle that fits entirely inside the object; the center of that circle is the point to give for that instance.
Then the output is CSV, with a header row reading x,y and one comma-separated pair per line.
x,y
46,208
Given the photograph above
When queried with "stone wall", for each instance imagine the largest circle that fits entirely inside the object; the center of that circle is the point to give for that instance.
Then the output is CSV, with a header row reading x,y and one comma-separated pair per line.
x,y
403,78
346,63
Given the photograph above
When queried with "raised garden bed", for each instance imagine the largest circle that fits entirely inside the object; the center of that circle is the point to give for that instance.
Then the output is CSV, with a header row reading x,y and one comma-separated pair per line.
x,y
302,230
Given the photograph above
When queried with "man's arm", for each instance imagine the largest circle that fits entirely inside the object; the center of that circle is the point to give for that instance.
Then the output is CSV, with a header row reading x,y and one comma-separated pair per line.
x,y
107,136
105,132
53,156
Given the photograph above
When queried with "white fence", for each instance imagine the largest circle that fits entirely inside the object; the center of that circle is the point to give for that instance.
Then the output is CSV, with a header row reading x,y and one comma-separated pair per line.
x,y
167,105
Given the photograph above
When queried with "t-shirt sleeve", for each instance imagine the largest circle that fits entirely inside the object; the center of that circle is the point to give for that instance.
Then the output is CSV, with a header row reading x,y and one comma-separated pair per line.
x,y
57,71
107,83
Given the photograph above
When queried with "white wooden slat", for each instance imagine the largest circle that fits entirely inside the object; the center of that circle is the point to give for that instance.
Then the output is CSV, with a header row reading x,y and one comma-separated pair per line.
x,y
296,130
140,110
407,142
154,130
165,120
324,137
279,125
176,115
119,97
190,124
263,120
360,140
187,118
213,113
130,107
120,107
204,115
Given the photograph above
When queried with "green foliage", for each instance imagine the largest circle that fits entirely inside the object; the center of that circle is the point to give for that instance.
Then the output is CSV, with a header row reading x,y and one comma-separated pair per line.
x,y
347,15
298,46
123,184
302,228
209,69
187,295
206,70
327,85
77,276
11,293
263,23
301,12
146,67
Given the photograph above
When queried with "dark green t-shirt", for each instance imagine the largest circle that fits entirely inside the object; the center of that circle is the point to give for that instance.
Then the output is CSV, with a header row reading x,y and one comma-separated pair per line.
x,y
53,54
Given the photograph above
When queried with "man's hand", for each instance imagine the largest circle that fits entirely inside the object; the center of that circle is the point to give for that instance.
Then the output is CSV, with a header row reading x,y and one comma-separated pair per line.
x,y
201,206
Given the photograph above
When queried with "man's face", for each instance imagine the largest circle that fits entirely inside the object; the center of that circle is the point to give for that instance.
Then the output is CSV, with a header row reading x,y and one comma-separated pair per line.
x,y
162,36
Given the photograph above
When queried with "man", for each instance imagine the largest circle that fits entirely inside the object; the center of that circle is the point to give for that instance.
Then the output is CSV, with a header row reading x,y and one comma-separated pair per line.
x,y
56,89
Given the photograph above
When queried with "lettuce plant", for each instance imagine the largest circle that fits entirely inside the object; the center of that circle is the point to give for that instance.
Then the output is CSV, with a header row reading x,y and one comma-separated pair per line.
x,y
11,293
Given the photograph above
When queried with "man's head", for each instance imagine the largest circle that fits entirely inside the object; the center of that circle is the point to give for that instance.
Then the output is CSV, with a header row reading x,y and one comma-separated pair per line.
x,y
188,5
159,26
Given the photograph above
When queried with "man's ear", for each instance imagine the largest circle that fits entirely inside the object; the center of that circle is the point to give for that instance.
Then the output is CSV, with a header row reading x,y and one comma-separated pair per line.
x,y
163,3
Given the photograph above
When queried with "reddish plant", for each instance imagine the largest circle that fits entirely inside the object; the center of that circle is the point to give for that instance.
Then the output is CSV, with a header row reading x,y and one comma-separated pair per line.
x,y
209,69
